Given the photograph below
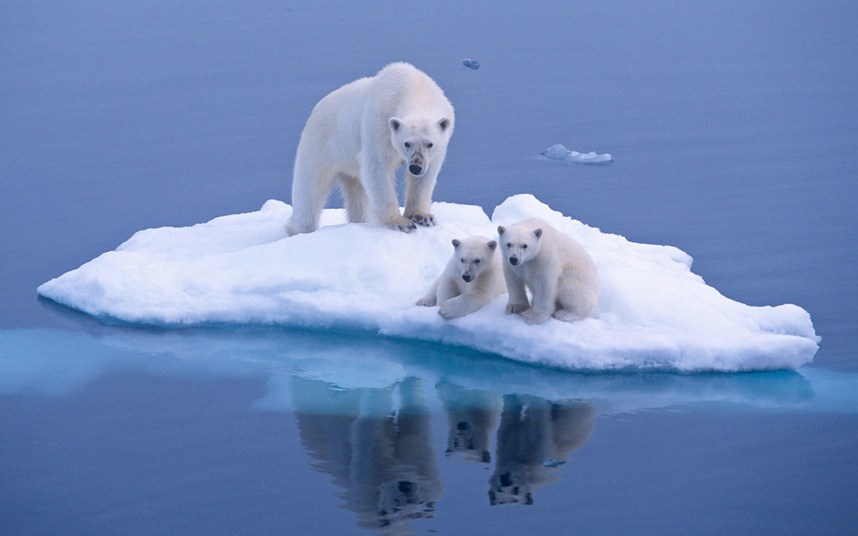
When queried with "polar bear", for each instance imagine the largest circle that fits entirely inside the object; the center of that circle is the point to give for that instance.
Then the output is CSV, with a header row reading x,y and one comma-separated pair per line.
x,y
471,279
558,272
359,135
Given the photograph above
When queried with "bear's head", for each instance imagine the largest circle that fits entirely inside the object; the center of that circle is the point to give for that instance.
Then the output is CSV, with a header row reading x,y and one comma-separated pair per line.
x,y
509,487
519,243
419,141
473,255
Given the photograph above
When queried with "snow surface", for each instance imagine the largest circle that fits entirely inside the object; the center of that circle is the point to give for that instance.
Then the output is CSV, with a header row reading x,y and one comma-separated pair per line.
x,y
560,152
653,312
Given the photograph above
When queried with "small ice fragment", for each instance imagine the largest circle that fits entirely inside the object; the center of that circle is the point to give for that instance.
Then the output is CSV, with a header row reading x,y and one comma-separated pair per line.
x,y
560,152
471,64
551,462
556,152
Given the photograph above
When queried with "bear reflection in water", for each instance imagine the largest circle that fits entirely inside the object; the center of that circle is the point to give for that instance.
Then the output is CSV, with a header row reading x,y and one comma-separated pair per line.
x,y
535,435
379,453
381,457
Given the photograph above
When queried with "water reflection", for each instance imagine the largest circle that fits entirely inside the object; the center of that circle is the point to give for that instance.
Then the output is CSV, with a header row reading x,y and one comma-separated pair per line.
x,y
376,443
472,415
380,457
372,413
534,435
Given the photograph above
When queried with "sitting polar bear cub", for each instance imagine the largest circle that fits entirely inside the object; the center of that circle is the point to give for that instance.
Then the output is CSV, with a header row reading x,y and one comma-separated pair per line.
x,y
470,281
359,135
560,274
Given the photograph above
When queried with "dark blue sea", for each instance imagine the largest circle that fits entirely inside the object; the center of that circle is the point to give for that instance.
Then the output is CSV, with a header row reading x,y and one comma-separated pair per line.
x,y
734,132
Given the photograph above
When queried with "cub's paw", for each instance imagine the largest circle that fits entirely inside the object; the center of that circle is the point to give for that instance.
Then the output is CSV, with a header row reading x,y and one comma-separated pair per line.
x,y
566,316
452,308
532,316
423,220
513,308
426,302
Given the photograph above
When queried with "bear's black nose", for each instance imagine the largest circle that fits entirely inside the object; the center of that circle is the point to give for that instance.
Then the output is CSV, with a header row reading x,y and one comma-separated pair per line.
x,y
513,260
415,169
467,278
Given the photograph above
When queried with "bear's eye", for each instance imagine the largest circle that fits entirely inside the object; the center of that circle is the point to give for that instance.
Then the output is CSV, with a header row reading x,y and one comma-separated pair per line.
x,y
462,259
509,244
408,145
430,145
476,261
524,246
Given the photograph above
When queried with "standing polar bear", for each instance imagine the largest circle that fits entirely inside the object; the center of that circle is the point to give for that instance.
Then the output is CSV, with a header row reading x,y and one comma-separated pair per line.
x,y
471,279
359,135
560,274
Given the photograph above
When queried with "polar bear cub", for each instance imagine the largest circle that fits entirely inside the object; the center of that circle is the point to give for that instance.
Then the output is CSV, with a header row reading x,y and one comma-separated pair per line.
x,y
359,135
472,278
559,273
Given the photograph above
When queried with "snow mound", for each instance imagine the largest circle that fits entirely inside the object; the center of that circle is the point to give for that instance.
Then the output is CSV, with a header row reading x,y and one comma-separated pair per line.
x,y
560,152
653,312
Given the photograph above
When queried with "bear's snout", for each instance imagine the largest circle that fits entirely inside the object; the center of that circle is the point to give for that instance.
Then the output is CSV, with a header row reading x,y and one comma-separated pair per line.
x,y
415,169
513,260
467,277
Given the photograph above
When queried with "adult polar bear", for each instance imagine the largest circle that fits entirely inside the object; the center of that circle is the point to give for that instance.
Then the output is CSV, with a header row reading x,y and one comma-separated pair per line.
x,y
359,135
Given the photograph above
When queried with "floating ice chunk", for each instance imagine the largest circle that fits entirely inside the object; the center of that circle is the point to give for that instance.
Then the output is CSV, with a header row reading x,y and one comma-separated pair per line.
x,y
653,311
471,64
560,152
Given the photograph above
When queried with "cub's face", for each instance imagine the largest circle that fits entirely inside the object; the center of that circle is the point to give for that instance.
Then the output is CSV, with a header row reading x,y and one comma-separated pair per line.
x,y
473,255
418,142
509,488
519,244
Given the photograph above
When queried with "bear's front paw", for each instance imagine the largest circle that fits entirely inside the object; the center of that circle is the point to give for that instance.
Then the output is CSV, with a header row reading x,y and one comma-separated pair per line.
x,y
423,220
426,302
533,316
402,224
513,308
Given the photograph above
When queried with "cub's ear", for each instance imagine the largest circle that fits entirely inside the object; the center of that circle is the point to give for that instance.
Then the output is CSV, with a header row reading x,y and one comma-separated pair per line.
x,y
501,230
492,245
444,124
538,233
456,243
394,123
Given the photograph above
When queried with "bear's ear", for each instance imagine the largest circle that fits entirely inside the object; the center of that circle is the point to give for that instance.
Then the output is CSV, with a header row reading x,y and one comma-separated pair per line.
x,y
501,230
394,123
537,233
456,243
444,123
492,245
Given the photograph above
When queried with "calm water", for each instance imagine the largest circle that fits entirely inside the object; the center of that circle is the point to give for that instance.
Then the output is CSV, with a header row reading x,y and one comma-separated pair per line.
x,y
735,135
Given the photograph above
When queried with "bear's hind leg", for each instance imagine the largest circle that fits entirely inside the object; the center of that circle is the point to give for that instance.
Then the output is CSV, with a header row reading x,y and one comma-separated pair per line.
x,y
310,190
575,299
355,198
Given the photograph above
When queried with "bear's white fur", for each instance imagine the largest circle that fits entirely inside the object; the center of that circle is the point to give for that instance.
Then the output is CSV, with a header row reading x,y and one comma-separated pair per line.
x,y
471,279
559,273
359,135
